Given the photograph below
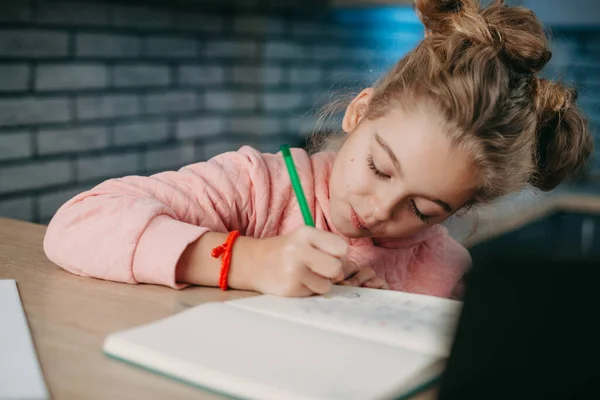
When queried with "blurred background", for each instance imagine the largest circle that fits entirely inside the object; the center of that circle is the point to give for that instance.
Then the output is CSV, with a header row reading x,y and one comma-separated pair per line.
x,y
91,90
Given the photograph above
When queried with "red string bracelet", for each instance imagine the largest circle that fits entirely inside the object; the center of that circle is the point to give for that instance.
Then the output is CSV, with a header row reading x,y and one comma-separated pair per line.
x,y
225,250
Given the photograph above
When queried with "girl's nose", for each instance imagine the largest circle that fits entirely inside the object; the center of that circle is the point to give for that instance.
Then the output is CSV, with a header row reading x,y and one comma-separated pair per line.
x,y
383,209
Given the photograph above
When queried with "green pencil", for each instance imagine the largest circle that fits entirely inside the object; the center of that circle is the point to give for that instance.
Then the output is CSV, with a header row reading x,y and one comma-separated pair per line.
x,y
289,162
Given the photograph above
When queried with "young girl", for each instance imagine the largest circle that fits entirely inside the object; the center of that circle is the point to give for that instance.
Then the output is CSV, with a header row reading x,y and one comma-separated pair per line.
x,y
461,120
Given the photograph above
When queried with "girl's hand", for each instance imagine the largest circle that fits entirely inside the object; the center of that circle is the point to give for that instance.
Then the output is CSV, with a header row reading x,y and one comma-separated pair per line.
x,y
366,278
297,265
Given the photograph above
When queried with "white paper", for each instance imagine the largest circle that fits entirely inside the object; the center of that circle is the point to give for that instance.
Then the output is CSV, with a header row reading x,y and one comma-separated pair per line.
x,y
253,356
416,322
20,374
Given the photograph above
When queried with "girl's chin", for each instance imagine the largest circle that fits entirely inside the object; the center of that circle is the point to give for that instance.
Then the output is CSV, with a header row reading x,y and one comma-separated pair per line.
x,y
351,235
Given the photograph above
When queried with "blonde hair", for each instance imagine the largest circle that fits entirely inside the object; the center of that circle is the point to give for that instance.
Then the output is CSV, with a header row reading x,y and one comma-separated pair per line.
x,y
477,68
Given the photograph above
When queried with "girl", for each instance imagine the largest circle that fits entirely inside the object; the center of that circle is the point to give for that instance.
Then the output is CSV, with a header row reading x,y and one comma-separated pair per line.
x,y
461,120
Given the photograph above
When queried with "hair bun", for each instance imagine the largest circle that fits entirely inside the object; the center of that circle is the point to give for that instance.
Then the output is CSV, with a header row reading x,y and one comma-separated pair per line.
x,y
450,6
563,143
444,16
520,36
552,98
515,31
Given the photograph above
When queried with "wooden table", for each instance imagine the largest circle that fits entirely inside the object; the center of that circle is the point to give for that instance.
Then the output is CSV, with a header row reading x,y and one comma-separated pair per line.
x,y
70,316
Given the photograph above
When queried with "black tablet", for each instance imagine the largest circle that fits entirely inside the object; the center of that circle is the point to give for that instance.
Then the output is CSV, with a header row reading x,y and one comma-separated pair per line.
x,y
529,329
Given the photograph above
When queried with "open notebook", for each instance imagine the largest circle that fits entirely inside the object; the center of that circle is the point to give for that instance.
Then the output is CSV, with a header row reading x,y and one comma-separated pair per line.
x,y
353,343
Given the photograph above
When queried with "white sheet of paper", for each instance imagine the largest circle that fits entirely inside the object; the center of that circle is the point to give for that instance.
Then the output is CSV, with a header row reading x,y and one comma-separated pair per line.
x,y
421,323
20,373
253,356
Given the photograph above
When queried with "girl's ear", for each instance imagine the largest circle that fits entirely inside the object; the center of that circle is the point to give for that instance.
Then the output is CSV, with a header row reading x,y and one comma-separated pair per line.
x,y
357,110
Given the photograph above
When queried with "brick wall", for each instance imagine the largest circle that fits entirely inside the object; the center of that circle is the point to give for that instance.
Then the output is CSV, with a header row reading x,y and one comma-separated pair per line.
x,y
94,90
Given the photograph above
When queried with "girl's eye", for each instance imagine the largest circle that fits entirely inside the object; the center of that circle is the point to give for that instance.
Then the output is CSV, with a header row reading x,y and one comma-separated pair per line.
x,y
425,218
375,170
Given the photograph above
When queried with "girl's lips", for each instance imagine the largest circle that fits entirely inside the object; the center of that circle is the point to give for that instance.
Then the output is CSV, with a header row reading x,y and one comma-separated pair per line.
x,y
356,220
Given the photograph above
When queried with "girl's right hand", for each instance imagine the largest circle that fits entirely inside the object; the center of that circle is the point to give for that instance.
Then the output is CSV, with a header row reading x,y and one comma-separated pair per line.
x,y
301,264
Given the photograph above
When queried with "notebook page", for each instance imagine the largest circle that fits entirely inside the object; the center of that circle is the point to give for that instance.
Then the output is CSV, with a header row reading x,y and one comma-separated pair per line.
x,y
20,373
254,356
422,323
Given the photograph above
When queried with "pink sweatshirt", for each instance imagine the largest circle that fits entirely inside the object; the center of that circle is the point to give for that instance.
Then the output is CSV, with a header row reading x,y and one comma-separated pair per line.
x,y
134,229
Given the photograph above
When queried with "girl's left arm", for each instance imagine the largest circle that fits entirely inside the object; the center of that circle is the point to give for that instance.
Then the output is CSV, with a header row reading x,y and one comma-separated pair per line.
x,y
434,266
437,267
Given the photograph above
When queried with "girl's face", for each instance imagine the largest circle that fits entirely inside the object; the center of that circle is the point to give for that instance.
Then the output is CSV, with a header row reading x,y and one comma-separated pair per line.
x,y
396,175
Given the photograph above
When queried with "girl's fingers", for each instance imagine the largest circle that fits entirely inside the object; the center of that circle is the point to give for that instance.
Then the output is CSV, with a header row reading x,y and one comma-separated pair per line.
x,y
367,278
326,242
322,263
360,277
349,269
376,283
315,282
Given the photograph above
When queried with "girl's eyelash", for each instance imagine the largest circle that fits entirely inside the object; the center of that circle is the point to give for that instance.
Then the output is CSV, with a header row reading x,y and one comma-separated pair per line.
x,y
426,219
376,171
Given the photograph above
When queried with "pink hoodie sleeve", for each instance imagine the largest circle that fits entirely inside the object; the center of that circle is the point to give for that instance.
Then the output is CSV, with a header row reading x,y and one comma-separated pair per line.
x,y
134,229
437,267
433,266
